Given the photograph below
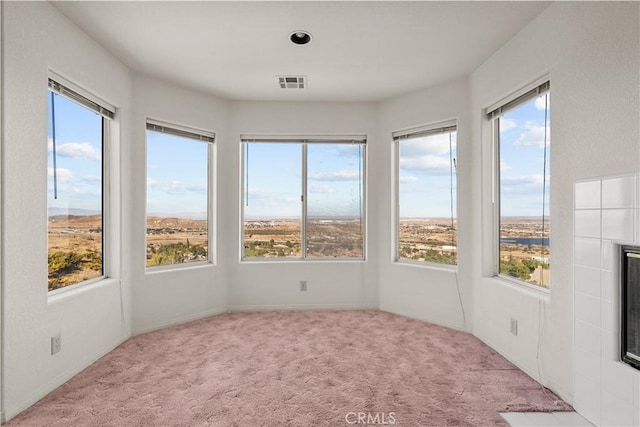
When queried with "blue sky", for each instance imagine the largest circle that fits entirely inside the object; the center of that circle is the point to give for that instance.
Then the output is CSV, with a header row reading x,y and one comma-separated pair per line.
x,y
177,171
78,156
176,176
522,141
425,174
273,180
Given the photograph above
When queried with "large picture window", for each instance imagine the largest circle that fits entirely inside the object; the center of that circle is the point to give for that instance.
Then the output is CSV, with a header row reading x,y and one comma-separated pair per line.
x,y
179,183
522,137
303,199
77,187
426,226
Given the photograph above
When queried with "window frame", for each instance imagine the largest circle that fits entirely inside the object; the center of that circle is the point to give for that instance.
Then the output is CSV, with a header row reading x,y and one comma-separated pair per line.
x,y
437,128
492,116
206,137
74,93
304,141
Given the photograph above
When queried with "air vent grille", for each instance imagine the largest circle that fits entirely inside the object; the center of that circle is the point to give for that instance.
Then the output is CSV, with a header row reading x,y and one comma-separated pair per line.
x,y
292,82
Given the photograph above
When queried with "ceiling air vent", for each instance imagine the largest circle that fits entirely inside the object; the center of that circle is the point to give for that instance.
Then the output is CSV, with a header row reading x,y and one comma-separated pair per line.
x,y
292,82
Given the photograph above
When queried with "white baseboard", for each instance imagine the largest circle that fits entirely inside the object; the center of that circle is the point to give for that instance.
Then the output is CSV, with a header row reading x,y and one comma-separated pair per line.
x,y
178,321
60,379
250,308
532,372
456,326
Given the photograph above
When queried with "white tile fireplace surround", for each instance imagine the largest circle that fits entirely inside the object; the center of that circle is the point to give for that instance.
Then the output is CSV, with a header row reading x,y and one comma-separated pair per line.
x,y
607,215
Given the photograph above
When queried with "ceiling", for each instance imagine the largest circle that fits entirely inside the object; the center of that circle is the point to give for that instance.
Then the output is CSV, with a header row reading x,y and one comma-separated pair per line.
x,y
360,51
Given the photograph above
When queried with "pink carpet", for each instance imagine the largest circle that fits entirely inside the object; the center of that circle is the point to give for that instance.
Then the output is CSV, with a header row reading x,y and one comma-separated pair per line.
x,y
300,368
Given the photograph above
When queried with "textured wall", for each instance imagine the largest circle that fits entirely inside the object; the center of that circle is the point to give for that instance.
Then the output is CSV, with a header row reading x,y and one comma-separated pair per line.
x,y
590,52
92,320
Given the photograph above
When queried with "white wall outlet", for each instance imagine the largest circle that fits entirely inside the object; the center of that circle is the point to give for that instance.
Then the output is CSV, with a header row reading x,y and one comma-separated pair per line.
x,y
514,326
56,344
303,285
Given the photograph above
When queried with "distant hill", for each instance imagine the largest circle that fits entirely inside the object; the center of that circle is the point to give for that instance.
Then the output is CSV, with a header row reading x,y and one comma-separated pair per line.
x,y
160,222
71,212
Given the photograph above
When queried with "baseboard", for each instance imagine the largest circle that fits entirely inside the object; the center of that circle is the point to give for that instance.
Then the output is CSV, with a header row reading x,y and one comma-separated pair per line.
x,y
457,327
561,392
532,372
60,379
178,321
251,308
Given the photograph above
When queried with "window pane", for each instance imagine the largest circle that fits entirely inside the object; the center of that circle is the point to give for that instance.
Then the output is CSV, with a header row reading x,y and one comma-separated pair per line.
x,y
177,199
427,199
272,205
335,223
524,192
74,193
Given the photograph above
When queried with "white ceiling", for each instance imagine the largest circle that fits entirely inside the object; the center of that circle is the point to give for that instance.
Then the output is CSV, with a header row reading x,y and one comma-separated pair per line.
x,y
361,51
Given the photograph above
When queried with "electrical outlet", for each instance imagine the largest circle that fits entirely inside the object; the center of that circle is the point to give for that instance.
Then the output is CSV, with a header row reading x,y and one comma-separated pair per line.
x,y
56,344
303,285
514,326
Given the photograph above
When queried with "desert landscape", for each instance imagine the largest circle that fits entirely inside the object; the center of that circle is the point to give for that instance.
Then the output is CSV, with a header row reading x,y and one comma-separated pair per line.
x,y
280,238
75,244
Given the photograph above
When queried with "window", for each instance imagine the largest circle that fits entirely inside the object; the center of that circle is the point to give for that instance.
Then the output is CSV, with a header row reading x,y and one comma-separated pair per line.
x,y
179,183
522,136
303,199
77,187
426,227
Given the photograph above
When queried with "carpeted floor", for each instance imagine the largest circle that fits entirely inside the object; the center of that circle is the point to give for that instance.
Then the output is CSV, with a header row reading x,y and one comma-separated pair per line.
x,y
298,368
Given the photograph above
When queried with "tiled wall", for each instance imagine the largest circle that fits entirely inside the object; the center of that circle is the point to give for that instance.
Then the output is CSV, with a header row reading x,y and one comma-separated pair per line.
x,y
606,391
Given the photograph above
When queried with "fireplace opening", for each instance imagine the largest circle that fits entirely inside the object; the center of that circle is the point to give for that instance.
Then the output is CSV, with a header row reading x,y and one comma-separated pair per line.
x,y
630,305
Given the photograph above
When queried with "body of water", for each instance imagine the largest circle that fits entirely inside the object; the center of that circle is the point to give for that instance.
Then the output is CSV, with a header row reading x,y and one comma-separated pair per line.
x,y
525,241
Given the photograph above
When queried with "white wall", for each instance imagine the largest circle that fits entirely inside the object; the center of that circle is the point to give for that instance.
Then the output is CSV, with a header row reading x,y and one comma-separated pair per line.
x,y
94,319
422,292
590,51
1,191
274,285
164,297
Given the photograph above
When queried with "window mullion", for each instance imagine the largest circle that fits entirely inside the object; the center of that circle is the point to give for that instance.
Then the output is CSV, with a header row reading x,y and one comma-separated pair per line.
x,y
210,202
303,225
106,191
495,192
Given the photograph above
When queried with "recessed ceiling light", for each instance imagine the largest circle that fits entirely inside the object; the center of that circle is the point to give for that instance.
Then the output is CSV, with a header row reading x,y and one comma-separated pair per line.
x,y
300,37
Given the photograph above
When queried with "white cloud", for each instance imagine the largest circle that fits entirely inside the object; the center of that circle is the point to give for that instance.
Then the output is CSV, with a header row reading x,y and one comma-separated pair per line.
x,y
151,182
335,176
523,184
405,179
433,165
507,124
321,189
430,145
75,150
504,166
533,136
541,102
175,188
62,174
